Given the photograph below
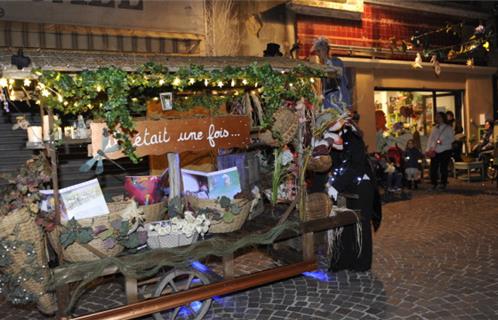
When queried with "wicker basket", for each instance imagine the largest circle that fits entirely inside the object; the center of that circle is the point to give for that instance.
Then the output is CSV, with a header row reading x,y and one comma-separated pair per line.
x,y
76,252
320,164
154,212
20,225
173,240
222,226
318,205
285,125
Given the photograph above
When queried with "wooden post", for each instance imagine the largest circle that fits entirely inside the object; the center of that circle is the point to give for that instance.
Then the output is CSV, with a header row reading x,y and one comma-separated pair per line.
x,y
308,246
307,238
52,154
131,288
53,161
62,294
175,178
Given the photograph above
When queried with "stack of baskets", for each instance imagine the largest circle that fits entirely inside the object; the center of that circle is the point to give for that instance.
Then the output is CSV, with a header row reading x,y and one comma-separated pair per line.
x,y
221,226
20,225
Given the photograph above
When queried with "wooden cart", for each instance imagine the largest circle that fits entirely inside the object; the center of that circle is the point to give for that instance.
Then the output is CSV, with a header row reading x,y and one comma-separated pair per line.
x,y
178,287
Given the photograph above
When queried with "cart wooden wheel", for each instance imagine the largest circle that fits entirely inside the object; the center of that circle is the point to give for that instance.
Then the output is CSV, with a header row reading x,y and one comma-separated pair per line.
x,y
180,280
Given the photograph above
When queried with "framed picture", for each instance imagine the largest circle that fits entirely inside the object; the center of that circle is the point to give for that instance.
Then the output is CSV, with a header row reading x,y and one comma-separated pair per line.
x,y
211,185
80,201
166,100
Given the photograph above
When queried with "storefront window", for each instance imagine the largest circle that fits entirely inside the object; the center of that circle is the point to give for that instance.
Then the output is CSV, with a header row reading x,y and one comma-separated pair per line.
x,y
399,114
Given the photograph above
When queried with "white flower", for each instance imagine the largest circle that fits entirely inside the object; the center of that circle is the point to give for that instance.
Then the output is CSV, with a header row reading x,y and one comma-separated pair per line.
x,y
187,226
286,157
189,217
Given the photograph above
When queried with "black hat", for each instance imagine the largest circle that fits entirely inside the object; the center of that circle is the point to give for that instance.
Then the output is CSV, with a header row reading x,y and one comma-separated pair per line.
x,y
272,50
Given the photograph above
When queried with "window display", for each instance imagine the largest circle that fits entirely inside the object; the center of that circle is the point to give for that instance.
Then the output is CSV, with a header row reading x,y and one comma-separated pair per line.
x,y
399,114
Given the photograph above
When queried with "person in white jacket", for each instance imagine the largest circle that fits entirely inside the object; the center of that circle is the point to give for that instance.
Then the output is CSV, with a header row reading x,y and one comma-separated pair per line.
x,y
439,148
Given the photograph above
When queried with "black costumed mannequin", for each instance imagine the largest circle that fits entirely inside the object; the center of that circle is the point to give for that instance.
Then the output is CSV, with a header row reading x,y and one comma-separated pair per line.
x,y
351,173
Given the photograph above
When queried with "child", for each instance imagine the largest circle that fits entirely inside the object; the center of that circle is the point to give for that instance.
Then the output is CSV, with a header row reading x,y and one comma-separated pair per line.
x,y
413,158
394,169
394,176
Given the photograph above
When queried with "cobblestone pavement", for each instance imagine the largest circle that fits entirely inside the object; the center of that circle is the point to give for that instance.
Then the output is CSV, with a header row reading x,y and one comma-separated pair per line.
x,y
435,257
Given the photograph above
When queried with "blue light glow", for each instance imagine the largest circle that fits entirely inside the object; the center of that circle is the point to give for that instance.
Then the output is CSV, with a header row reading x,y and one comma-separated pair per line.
x,y
200,267
184,312
196,305
317,275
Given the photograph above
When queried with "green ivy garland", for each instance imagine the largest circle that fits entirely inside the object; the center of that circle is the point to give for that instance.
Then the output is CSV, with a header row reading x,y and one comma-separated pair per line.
x,y
115,95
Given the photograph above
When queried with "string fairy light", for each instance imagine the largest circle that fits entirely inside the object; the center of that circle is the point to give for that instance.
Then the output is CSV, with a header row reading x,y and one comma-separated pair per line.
x,y
27,82
161,82
177,81
45,93
191,81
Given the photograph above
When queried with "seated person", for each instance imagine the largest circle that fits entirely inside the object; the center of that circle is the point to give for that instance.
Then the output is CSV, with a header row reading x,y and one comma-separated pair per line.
x,y
413,159
486,143
394,177
394,169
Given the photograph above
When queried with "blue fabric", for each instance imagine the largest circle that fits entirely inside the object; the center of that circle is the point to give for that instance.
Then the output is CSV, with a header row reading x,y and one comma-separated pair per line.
x,y
336,91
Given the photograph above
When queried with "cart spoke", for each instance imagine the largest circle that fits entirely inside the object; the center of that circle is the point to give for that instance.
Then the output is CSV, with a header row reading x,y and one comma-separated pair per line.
x,y
175,313
189,281
191,311
173,285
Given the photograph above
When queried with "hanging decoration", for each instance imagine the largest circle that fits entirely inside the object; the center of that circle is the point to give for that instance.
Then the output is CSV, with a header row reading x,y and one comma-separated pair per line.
x,y
481,38
417,64
436,65
470,62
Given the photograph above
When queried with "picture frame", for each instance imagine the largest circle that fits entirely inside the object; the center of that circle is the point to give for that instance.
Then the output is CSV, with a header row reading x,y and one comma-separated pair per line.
x,y
166,100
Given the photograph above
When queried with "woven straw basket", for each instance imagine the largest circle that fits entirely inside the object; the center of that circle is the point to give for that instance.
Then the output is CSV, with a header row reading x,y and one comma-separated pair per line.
x,y
317,206
320,164
76,252
20,225
222,226
285,125
154,212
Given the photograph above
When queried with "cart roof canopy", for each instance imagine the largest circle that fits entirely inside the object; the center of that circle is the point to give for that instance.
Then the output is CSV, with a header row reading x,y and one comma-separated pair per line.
x,y
74,61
